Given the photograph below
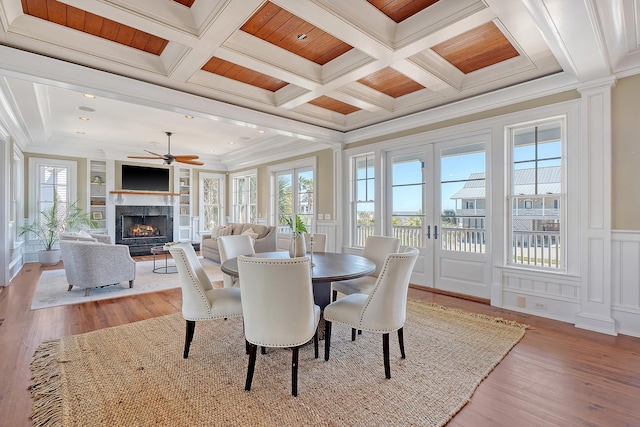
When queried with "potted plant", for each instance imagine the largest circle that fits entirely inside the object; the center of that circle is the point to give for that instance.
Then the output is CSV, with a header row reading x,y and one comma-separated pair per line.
x,y
297,247
54,221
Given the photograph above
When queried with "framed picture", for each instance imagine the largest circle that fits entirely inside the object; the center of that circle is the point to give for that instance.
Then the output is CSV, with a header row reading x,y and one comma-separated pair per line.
x,y
96,215
183,211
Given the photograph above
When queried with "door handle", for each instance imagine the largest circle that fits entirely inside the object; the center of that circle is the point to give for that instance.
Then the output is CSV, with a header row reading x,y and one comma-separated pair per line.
x,y
435,232
428,231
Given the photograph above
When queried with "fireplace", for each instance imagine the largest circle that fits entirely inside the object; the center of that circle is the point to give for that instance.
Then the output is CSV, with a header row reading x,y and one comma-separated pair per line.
x,y
143,227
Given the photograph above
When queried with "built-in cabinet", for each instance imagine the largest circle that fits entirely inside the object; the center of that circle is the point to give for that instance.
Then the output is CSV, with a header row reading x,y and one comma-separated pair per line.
x,y
184,205
98,194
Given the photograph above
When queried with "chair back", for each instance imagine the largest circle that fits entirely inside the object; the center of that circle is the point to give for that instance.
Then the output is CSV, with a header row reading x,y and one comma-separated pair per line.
x,y
277,301
319,242
386,306
232,246
194,281
376,249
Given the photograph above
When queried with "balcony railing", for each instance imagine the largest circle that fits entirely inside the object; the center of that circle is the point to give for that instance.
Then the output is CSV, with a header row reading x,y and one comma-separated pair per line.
x,y
530,248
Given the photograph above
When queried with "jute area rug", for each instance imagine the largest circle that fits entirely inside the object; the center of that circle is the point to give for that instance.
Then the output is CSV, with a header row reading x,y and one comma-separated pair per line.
x,y
53,287
134,375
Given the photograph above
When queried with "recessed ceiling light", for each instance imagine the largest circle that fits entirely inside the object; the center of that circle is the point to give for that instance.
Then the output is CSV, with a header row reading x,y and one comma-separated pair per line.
x,y
84,118
301,37
79,132
88,95
189,117
260,131
231,142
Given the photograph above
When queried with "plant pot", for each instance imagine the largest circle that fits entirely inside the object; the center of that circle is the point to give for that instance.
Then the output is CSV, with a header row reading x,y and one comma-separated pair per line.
x,y
51,257
297,246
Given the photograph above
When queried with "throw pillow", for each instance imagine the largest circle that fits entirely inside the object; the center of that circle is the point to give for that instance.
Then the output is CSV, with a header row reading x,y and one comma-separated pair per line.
x,y
225,231
215,231
249,232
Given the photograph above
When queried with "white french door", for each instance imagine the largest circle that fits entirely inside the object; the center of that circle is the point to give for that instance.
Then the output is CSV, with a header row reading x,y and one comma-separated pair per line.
x,y
437,195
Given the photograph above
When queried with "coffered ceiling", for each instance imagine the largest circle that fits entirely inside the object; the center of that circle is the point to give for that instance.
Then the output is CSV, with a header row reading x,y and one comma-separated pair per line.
x,y
336,65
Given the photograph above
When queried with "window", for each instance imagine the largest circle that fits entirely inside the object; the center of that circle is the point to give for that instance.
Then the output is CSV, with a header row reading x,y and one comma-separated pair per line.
x,y
244,198
407,198
49,177
212,198
536,194
293,192
364,201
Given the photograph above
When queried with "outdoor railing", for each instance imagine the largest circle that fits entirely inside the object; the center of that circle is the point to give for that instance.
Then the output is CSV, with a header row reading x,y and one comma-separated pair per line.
x,y
536,248
463,239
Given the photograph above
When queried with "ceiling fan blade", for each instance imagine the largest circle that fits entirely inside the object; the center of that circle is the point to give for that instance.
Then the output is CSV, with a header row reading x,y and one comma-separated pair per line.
x,y
189,162
187,156
155,154
144,157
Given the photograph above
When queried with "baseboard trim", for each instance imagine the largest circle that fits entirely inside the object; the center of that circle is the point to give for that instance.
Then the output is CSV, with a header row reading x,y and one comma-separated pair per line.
x,y
451,294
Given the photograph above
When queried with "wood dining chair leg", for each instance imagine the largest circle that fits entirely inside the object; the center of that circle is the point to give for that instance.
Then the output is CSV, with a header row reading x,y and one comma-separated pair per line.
x,y
294,370
401,342
191,327
253,350
315,344
327,339
385,353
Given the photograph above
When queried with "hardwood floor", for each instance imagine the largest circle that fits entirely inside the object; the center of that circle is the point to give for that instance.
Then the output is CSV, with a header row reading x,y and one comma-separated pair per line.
x,y
557,375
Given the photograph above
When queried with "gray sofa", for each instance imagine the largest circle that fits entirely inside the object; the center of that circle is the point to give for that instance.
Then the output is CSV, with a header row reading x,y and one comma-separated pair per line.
x,y
264,235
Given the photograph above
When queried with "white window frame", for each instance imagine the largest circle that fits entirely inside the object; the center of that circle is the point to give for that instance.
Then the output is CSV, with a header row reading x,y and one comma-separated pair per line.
x,y
233,202
34,181
354,203
563,196
223,183
296,165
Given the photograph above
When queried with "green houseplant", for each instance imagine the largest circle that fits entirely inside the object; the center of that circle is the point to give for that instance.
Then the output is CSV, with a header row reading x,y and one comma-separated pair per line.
x,y
53,221
297,247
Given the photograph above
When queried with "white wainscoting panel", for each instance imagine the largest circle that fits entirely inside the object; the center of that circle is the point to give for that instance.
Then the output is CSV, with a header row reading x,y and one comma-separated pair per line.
x,y
625,281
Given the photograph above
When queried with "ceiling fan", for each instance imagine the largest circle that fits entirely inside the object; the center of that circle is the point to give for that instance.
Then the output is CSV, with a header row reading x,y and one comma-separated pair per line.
x,y
170,158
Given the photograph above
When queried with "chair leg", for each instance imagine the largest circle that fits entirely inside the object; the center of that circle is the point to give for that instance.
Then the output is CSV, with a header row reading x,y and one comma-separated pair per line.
x,y
253,350
327,339
294,370
87,291
130,283
353,334
401,342
334,295
70,286
315,344
263,350
385,353
191,327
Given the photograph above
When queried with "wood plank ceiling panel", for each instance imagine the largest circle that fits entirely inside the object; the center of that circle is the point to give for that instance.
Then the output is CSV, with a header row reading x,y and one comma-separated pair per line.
x,y
334,105
279,27
391,82
242,74
475,49
78,19
399,10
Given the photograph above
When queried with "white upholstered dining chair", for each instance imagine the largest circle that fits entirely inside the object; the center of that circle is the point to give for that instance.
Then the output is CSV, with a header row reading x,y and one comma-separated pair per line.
x,y
230,247
319,242
376,249
384,310
200,301
277,301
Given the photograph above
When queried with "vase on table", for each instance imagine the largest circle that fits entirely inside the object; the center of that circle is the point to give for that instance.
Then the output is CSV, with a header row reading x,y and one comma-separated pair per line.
x,y
297,246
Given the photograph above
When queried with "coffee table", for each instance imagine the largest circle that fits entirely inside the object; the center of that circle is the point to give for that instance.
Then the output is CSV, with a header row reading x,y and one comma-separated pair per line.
x,y
166,269
328,267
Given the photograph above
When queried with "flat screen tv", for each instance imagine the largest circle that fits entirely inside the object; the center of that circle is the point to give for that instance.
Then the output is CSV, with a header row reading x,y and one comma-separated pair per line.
x,y
144,178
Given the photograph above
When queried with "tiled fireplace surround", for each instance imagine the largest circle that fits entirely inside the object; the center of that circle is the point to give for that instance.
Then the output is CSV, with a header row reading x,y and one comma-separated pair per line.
x,y
141,245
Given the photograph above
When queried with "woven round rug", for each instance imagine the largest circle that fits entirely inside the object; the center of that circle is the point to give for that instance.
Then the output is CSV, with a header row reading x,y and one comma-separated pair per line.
x,y
134,375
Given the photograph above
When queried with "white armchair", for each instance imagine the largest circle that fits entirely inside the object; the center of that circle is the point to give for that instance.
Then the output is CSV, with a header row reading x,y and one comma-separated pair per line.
x,y
383,311
92,265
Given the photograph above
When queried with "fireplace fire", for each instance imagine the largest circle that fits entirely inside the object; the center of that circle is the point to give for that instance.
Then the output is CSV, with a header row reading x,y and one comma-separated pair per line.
x,y
142,230
135,226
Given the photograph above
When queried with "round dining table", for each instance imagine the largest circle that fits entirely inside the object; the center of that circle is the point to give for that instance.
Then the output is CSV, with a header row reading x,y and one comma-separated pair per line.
x,y
327,267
